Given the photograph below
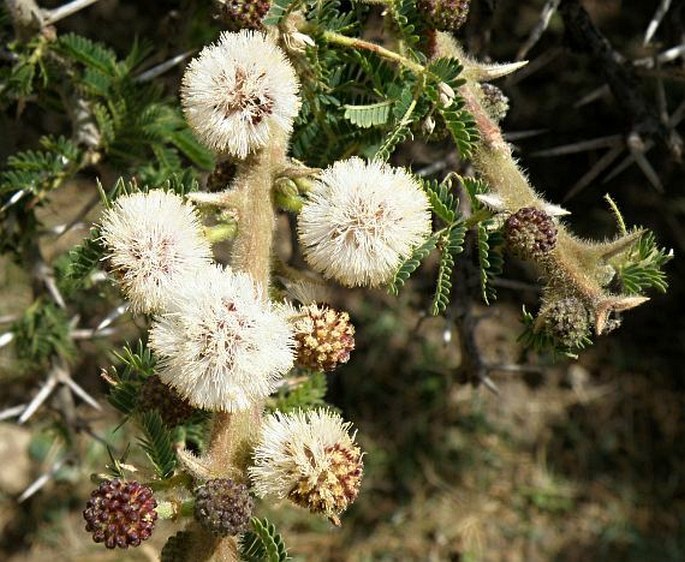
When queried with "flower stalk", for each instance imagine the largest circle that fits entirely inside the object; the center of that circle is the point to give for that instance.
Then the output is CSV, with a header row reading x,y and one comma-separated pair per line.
x,y
233,434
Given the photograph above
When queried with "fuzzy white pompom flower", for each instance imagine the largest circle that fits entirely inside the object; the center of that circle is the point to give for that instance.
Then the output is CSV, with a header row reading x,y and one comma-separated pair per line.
x,y
221,346
361,220
238,92
309,458
153,239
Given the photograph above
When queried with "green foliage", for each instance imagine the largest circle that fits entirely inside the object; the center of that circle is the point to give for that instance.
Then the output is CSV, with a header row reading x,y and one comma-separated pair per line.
x,y
263,543
641,269
358,103
157,443
322,133
27,72
26,182
74,268
140,362
446,70
304,394
328,14
411,264
40,171
458,121
42,332
490,248
369,115
279,9
443,202
180,184
134,122
134,366
462,127
94,56
449,241
410,27
489,239
403,110
124,396
450,245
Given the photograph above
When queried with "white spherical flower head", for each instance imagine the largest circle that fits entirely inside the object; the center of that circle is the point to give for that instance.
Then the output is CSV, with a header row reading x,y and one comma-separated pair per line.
x,y
221,346
361,220
309,458
240,91
153,239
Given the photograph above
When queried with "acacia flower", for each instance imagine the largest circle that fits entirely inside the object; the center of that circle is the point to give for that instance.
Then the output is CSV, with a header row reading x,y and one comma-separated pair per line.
x,y
309,458
361,220
240,91
221,346
324,337
153,239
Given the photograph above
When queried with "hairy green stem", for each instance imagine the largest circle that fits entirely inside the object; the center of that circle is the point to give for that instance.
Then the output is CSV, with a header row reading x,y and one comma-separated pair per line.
x,y
355,43
233,434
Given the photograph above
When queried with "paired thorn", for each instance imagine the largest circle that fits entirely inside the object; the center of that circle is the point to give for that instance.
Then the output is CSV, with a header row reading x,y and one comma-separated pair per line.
x,y
605,307
59,374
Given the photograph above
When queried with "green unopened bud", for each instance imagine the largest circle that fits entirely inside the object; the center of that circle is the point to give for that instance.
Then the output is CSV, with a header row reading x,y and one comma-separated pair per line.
x,y
566,320
287,195
225,230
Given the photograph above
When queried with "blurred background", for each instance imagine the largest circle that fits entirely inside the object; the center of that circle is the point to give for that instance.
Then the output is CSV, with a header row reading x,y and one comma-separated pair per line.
x,y
572,460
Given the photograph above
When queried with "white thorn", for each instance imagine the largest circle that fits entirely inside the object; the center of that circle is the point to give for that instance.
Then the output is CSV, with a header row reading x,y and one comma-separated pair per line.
x,y
41,397
555,210
487,72
494,202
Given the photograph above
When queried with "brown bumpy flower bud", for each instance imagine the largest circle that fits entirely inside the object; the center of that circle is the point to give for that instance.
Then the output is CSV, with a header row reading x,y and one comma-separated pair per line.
x,y
444,15
120,513
324,337
567,320
530,233
242,14
223,507
155,395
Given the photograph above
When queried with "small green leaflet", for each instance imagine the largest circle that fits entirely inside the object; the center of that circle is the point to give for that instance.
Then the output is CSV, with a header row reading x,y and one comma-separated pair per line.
x,y
452,244
263,543
411,264
366,116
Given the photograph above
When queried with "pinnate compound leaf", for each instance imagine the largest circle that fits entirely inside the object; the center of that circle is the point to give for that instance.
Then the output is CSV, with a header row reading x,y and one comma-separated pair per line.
x,y
263,543
411,264
157,443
